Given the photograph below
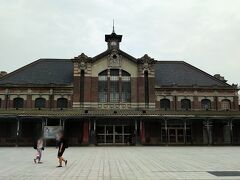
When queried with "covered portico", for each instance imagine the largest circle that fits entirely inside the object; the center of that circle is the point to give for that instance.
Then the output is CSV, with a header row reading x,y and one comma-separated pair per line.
x,y
122,127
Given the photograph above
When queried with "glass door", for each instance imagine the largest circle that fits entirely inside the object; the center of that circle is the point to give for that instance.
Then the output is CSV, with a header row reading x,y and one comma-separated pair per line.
x,y
172,135
109,133
180,136
114,134
118,134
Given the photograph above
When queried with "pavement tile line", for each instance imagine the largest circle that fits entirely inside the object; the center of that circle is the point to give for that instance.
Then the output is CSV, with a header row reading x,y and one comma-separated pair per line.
x,y
140,163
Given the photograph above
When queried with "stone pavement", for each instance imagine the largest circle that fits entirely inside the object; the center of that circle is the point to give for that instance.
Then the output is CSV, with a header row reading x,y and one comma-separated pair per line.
x,y
121,163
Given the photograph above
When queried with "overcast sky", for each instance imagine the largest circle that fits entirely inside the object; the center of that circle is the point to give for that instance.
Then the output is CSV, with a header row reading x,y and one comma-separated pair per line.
x,y
205,33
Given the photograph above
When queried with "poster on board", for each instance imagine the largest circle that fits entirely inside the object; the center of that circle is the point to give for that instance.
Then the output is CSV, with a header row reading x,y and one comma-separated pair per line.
x,y
51,131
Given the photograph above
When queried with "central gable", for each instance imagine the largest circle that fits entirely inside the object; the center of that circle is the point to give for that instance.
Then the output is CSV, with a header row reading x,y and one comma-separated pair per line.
x,y
114,59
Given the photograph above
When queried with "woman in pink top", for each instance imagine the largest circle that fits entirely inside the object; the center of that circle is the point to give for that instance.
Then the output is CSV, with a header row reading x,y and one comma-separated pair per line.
x,y
39,149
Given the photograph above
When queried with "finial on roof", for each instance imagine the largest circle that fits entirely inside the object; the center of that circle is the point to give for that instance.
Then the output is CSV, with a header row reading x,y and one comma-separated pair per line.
x,y
113,27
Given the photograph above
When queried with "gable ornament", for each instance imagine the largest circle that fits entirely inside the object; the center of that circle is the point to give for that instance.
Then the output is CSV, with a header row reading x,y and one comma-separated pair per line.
x,y
114,59
146,62
82,61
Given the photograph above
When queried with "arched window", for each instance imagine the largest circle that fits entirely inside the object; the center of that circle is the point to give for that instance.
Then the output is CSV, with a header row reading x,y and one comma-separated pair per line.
x,y
62,103
165,104
40,103
18,103
225,104
126,86
206,104
185,104
114,85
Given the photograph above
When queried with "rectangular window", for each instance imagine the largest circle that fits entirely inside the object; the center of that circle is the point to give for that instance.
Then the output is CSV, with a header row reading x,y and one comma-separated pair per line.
x,y
114,89
82,87
146,88
102,90
114,78
126,91
102,97
102,78
114,72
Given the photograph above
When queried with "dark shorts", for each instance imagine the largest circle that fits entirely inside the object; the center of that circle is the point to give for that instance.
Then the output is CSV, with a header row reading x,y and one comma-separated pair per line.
x,y
61,153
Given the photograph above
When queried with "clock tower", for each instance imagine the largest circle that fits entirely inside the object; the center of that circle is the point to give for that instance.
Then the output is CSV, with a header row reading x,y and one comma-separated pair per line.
x,y
113,40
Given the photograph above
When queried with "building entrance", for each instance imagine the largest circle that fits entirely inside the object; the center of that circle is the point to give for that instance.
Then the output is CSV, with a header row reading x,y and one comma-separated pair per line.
x,y
114,134
176,135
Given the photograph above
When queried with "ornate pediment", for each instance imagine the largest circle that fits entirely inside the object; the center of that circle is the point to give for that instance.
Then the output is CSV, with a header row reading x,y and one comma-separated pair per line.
x,y
114,59
82,60
146,60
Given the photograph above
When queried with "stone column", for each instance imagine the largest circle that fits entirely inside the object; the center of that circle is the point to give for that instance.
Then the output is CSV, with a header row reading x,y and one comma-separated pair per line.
x,y
136,132
166,131
18,131
85,132
231,130
142,132
209,134
185,131
94,135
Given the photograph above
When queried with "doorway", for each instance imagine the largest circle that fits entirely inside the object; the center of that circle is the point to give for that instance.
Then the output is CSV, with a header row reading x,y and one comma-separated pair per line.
x,y
114,134
176,135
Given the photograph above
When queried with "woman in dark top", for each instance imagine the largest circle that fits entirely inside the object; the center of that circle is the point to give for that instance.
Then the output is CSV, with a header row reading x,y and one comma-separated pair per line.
x,y
61,149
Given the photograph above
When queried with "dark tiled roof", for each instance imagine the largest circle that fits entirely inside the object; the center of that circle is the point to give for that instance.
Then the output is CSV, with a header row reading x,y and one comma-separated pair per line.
x,y
60,72
168,73
42,72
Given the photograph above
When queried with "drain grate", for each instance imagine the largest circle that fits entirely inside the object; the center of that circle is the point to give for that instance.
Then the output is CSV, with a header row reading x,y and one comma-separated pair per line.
x,y
225,173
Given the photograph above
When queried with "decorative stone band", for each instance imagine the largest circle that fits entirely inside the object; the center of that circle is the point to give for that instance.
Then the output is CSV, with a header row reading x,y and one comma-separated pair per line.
x,y
18,96
112,105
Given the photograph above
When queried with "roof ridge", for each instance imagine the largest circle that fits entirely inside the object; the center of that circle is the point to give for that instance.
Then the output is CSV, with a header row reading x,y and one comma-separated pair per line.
x,y
46,59
172,61
130,56
100,54
203,72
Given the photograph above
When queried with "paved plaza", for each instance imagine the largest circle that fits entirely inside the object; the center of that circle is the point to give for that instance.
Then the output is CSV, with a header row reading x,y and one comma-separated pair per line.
x,y
123,163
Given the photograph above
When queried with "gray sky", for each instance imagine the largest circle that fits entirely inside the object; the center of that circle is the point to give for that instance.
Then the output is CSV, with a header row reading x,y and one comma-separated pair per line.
x,y
205,33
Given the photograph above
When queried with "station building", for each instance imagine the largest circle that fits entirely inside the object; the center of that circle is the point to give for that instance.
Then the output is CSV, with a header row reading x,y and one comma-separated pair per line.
x,y
114,98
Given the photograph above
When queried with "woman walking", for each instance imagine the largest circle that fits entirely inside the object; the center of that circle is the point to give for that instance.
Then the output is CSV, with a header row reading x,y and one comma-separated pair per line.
x,y
61,148
39,147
